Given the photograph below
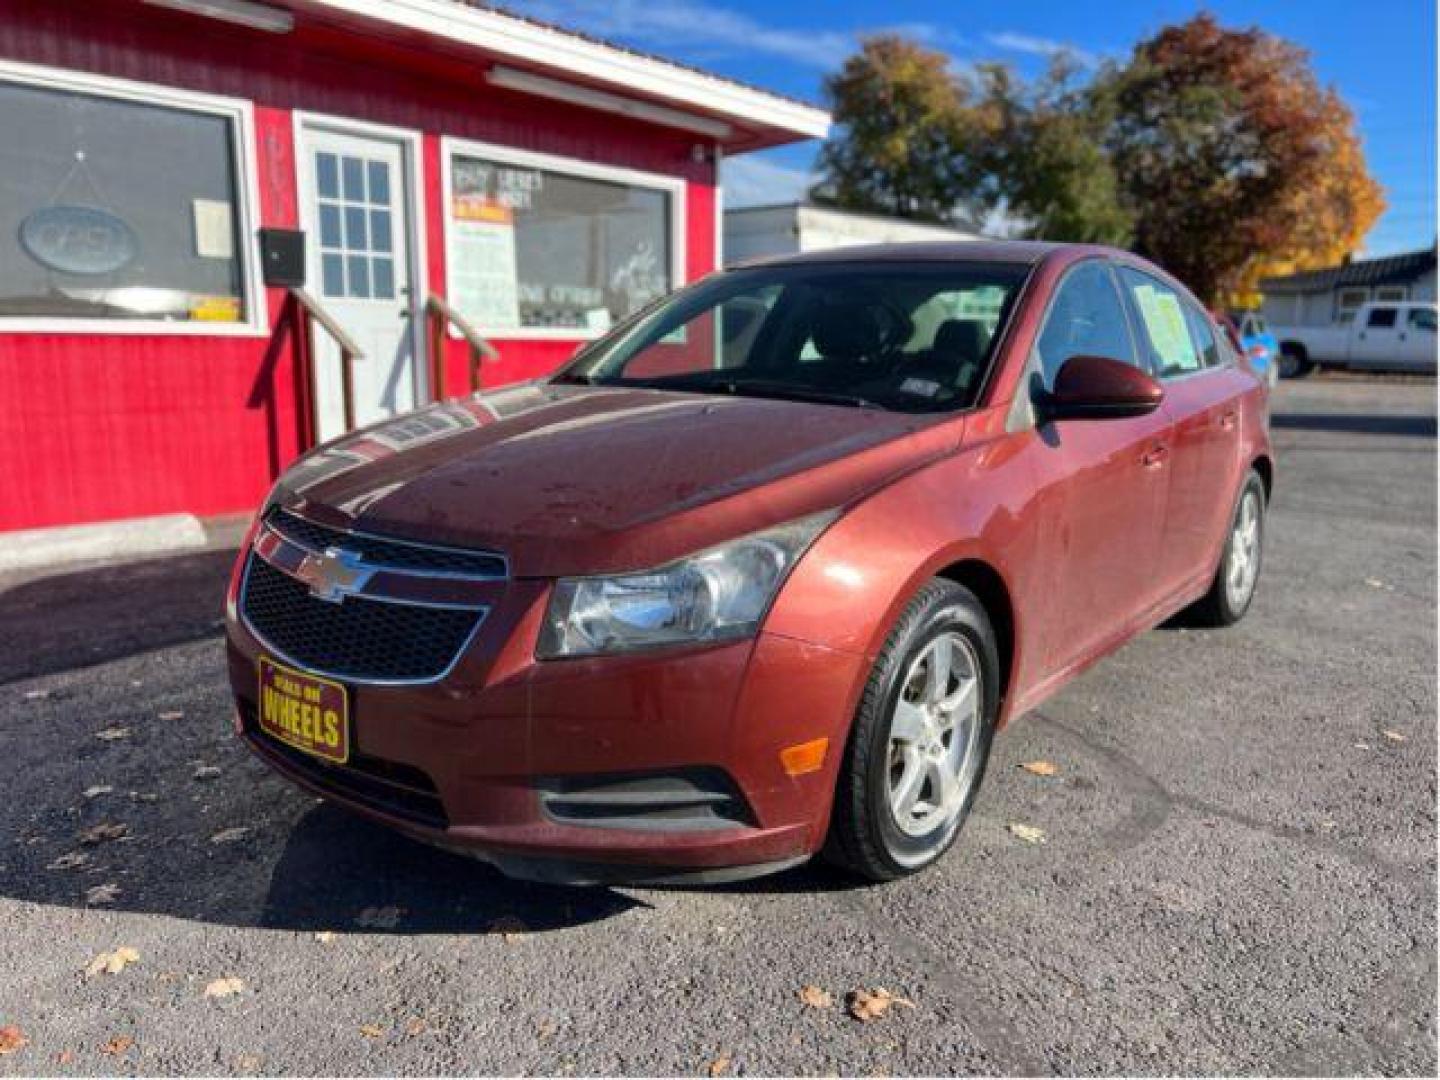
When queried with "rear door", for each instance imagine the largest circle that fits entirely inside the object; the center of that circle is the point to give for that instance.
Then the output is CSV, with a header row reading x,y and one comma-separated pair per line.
x,y
1377,337
1100,498
1417,338
1202,388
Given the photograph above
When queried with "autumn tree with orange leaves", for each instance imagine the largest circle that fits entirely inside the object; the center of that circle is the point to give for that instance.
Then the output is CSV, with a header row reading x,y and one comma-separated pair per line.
x,y
1233,158
1216,152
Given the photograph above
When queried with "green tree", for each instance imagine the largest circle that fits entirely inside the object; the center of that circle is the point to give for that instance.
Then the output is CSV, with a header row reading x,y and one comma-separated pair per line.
x,y
1048,162
910,142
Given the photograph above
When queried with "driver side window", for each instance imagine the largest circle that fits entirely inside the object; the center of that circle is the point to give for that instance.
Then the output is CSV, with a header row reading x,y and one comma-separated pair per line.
x,y
1085,319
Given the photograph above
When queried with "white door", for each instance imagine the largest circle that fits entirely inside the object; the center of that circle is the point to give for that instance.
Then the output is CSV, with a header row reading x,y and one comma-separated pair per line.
x,y
1377,339
1417,338
356,199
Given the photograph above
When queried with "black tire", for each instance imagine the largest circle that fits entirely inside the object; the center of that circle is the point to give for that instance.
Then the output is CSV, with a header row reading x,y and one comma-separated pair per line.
x,y
1219,607
864,836
1294,363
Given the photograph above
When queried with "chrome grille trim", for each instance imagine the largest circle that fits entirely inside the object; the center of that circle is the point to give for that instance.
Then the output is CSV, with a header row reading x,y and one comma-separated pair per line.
x,y
306,534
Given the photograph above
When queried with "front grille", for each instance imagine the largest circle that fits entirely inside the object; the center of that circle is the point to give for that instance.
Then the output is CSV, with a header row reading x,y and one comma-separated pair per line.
x,y
388,787
365,640
394,554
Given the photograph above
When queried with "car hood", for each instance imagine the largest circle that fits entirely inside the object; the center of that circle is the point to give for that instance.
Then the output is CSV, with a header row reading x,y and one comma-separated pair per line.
x,y
576,480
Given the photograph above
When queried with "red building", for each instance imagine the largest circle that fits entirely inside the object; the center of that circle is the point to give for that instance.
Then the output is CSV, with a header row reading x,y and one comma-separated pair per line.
x,y
539,183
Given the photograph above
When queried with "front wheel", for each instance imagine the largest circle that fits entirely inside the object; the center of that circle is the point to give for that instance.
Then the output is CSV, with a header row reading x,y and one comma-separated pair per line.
x,y
1234,585
921,737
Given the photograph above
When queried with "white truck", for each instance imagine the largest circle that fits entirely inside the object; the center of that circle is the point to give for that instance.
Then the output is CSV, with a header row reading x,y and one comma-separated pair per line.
x,y
1384,335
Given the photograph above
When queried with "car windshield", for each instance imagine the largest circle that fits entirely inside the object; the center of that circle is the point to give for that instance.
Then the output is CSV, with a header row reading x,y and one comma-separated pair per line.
x,y
904,337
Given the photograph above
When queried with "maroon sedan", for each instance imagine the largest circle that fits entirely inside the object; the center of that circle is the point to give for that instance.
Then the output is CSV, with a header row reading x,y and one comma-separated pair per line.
x,y
762,571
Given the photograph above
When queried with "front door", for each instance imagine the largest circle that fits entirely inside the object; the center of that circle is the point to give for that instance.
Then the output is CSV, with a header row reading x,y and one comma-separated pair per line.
x,y
357,194
1101,483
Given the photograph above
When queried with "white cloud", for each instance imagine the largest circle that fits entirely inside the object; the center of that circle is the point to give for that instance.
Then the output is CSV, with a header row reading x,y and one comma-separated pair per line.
x,y
753,181
694,23
1039,46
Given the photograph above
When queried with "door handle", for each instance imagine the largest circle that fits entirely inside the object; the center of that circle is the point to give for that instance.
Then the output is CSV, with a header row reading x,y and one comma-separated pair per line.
x,y
1155,456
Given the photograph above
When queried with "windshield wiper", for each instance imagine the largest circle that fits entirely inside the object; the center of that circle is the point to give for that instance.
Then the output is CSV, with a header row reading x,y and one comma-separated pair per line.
x,y
790,392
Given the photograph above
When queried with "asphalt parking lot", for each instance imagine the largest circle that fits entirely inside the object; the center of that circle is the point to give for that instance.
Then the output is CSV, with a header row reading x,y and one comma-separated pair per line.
x,y
1237,873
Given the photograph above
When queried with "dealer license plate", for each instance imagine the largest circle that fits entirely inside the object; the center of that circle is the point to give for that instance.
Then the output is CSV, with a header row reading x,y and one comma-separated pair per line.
x,y
304,711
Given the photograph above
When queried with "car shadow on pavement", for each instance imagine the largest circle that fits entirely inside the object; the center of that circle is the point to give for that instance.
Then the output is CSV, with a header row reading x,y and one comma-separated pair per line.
x,y
339,872
1358,423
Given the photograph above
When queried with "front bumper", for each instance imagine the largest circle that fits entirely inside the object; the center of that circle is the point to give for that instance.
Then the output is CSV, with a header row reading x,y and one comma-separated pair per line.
x,y
472,762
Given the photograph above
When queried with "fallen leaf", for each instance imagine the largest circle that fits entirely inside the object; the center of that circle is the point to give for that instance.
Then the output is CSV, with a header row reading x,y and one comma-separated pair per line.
x,y
416,1026
64,1057
815,997
325,937
1040,768
174,714
372,1031
1029,833
110,734
70,861
112,963
380,918
230,836
719,1067
867,1005
11,1039
1393,736
224,987
118,1045
96,791
102,894
248,1063
205,772
106,830
509,926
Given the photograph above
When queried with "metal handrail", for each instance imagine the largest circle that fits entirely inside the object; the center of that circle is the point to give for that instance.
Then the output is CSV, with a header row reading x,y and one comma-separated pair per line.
x,y
439,316
310,312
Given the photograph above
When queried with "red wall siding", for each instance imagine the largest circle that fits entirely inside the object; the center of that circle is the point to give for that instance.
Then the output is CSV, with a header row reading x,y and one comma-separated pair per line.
x,y
105,426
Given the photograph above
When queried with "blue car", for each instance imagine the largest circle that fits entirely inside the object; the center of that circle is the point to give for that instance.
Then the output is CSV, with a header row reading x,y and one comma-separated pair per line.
x,y
1260,345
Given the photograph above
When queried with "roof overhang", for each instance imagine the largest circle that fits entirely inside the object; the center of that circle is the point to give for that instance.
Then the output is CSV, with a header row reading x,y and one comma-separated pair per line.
x,y
735,116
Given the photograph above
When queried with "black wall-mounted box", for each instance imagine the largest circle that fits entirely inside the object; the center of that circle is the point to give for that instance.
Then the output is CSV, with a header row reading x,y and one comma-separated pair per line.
x,y
282,257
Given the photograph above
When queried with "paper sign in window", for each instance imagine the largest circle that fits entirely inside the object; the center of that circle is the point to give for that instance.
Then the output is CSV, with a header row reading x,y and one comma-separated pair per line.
x,y
484,282
1165,323
214,229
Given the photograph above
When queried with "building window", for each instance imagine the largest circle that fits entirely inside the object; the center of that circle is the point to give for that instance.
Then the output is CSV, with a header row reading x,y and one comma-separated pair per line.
x,y
1391,293
1349,301
541,247
118,208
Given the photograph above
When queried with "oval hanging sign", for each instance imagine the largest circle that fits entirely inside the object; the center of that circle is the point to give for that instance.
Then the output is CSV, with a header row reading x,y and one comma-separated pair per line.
x,y
78,239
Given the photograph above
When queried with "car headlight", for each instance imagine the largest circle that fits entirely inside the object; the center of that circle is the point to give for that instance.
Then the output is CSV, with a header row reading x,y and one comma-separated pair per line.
x,y
720,594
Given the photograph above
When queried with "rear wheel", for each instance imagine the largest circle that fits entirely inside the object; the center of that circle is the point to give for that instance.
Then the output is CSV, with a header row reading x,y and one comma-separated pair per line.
x,y
1234,585
921,737
1294,363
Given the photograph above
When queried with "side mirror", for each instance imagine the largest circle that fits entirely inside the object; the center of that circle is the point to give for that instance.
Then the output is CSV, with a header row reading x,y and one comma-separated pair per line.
x,y
1099,388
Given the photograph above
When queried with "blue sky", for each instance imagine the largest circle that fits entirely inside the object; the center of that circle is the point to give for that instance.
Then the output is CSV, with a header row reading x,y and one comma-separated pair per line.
x,y
1380,54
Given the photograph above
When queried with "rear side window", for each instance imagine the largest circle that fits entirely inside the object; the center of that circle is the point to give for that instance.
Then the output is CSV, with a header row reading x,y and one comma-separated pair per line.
x,y
1164,327
1085,319
1204,333
1422,319
1381,317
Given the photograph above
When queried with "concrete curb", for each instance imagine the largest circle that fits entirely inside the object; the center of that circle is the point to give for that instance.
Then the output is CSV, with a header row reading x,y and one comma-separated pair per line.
x,y
29,549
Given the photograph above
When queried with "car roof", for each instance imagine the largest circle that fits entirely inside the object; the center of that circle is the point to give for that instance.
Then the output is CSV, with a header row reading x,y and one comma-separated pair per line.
x,y
1025,252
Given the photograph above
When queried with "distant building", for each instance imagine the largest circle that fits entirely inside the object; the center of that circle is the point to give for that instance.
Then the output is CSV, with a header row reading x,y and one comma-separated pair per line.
x,y
1326,297
783,229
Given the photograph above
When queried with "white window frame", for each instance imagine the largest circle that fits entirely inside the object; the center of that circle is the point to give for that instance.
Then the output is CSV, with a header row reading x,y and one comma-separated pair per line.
x,y
1342,310
1391,294
241,115
674,186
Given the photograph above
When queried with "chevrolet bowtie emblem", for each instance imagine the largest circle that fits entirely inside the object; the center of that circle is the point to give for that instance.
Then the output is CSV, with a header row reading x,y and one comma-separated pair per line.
x,y
334,575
